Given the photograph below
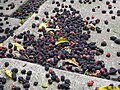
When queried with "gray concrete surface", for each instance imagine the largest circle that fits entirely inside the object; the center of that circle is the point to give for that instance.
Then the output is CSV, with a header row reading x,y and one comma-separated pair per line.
x,y
10,11
13,22
78,81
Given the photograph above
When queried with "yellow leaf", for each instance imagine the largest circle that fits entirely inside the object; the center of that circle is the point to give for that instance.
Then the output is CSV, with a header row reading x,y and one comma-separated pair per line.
x,y
45,25
1,45
22,21
72,61
44,85
109,87
52,33
8,73
61,40
19,47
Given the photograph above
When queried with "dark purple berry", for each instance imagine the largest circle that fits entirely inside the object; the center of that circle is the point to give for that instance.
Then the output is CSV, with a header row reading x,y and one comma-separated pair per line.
x,y
29,73
103,43
103,11
118,54
46,68
47,75
112,71
20,79
14,76
26,85
33,25
119,71
50,81
3,80
15,70
117,41
107,2
6,64
67,81
23,71
35,84
113,38
106,22
28,77
62,78
36,18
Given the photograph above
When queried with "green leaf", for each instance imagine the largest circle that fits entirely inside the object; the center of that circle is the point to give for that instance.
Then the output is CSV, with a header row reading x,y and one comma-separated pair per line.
x,y
45,85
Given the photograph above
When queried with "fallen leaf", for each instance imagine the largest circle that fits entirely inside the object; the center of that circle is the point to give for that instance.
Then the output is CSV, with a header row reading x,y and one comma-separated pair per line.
x,y
93,74
72,61
61,40
54,29
86,72
19,47
8,73
51,33
44,85
92,26
109,87
43,25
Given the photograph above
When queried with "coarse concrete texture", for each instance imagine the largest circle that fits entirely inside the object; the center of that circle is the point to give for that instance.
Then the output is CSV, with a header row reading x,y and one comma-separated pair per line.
x,y
13,22
78,81
17,4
